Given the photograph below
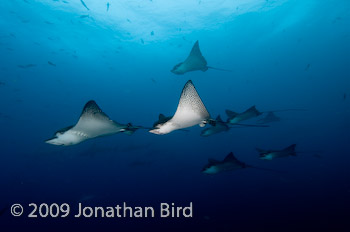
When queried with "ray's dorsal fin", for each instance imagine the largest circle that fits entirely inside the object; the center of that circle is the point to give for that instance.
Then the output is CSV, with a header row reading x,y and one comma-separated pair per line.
x,y
290,148
230,113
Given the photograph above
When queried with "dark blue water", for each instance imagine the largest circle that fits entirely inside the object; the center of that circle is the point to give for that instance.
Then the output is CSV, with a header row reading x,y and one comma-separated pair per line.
x,y
56,55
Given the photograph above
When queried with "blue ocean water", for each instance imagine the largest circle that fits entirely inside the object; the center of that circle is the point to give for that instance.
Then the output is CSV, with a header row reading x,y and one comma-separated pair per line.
x,y
56,55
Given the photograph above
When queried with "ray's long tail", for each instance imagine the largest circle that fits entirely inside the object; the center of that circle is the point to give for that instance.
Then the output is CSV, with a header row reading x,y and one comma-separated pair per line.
x,y
316,154
285,110
219,69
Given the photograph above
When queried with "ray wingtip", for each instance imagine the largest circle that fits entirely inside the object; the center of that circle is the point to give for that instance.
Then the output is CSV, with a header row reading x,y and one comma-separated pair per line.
x,y
189,82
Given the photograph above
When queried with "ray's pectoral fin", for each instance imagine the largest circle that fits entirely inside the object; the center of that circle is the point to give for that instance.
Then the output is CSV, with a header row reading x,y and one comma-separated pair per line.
x,y
230,158
195,61
161,117
190,111
93,122
254,111
230,113
177,69
92,110
290,148
196,53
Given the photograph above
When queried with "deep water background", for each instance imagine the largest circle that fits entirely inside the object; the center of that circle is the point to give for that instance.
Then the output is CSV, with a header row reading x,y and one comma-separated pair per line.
x,y
283,54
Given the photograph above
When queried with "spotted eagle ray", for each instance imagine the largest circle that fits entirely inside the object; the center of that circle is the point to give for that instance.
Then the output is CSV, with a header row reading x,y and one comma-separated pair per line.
x,y
190,111
252,112
195,61
270,117
271,154
230,163
218,127
93,122
288,151
234,118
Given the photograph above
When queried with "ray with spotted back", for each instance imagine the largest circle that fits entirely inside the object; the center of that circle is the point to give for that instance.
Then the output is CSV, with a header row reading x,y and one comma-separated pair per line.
x,y
194,62
218,127
270,117
229,163
272,154
92,123
190,112
235,118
